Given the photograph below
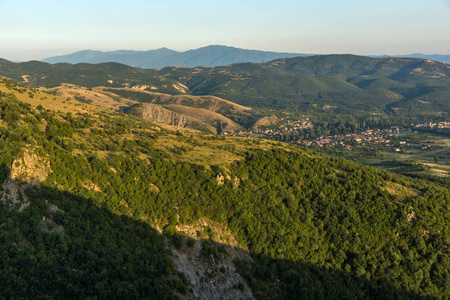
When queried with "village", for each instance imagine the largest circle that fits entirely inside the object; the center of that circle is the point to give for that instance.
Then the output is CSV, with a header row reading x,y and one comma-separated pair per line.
x,y
383,137
432,125
372,138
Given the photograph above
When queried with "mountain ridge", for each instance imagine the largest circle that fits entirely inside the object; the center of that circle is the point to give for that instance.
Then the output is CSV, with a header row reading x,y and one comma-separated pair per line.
x,y
128,57
208,56
307,82
436,57
349,83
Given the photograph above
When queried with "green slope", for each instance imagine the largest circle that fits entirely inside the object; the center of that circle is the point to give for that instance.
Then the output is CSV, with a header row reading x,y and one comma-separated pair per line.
x,y
315,226
346,81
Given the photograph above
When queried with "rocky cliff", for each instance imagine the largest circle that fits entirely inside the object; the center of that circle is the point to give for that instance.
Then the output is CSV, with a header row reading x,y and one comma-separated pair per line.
x,y
206,257
158,114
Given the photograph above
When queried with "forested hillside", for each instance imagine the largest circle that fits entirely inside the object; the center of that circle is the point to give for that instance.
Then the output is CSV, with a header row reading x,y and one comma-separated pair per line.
x,y
350,82
81,221
340,93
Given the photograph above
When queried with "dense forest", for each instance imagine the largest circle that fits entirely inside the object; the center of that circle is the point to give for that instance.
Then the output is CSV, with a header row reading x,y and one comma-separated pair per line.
x,y
317,227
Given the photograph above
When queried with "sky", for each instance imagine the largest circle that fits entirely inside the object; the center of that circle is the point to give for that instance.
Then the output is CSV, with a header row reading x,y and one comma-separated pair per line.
x,y
33,30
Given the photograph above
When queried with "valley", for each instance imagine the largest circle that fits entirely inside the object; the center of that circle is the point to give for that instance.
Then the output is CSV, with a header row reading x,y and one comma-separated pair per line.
x,y
399,150
226,182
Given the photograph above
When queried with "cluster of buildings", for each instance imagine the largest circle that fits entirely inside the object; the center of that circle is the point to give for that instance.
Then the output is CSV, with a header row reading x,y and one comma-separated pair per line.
x,y
433,125
372,138
381,137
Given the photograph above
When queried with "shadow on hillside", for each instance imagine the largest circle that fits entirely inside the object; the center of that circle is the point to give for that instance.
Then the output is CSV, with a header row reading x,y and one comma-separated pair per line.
x,y
64,246
303,280
284,279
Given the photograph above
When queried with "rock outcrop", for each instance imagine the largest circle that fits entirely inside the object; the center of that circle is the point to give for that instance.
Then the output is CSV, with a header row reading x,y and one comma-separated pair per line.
x,y
13,195
28,169
207,257
212,277
220,179
158,114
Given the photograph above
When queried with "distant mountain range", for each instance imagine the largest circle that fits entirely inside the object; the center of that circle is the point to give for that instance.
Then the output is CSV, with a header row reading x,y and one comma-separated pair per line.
x,y
127,57
210,56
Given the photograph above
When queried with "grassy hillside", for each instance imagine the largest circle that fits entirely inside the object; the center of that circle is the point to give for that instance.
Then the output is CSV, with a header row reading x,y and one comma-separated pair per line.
x,y
79,222
96,96
214,119
38,74
242,115
207,113
207,102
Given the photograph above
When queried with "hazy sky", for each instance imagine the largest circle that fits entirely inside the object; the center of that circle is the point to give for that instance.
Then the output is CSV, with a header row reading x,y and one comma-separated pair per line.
x,y
35,29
